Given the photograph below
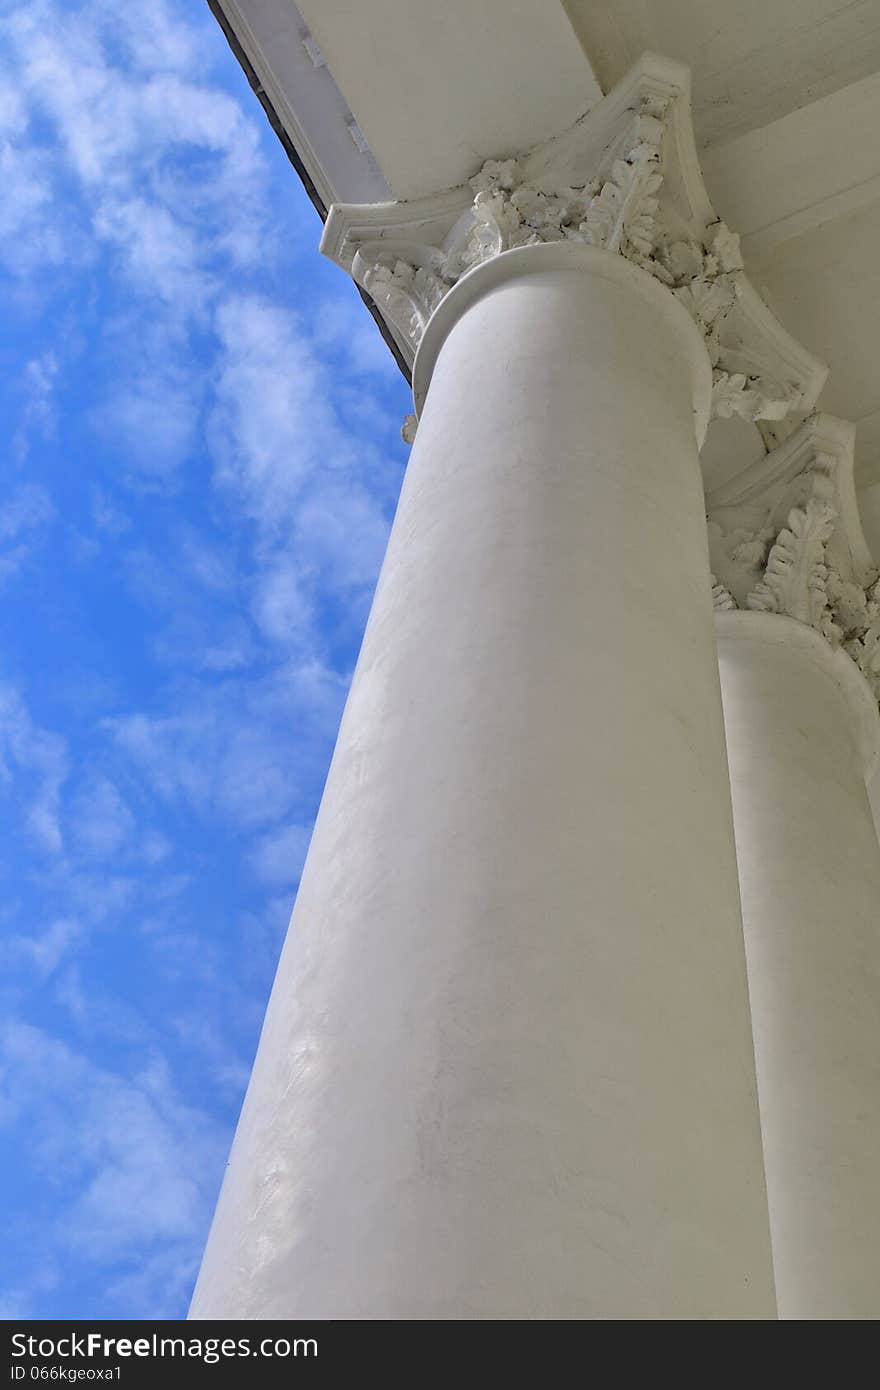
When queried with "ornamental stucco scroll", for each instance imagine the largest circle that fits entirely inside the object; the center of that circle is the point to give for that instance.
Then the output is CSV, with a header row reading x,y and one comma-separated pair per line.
x,y
626,179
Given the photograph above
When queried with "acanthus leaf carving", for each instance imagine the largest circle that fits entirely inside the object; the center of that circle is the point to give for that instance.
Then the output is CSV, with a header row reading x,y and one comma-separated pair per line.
x,y
622,216
785,537
795,578
624,179
722,599
856,611
408,293
735,393
865,652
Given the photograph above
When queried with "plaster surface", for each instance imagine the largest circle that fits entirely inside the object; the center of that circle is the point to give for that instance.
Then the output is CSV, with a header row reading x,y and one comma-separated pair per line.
x,y
438,88
802,730
753,62
507,1070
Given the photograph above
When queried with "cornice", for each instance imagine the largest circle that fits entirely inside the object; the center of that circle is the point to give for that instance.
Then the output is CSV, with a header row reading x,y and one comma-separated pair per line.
x,y
624,179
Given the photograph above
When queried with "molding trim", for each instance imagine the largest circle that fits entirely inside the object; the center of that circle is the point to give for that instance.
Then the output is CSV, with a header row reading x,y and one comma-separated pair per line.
x,y
246,49
625,179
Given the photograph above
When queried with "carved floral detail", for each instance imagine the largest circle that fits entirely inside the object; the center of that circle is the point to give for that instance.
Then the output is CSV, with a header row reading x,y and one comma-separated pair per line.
x,y
410,294
622,217
734,393
788,570
856,612
624,178
865,650
796,573
722,599
619,213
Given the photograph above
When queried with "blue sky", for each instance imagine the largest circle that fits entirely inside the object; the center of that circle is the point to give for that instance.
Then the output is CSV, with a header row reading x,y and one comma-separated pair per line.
x,y
202,460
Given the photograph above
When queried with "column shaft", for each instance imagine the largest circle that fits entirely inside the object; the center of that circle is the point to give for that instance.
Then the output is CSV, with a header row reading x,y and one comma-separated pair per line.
x,y
799,718
507,1066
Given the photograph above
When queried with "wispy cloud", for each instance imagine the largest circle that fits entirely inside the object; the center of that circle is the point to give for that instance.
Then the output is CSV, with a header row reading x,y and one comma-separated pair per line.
x,y
38,415
279,856
24,514
101,821
139,1164
215,756
208,432
150,417
36,760
43,950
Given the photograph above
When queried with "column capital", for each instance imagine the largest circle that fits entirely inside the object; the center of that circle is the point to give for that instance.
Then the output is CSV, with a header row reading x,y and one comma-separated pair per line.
x,y
673,329
785,539
624,179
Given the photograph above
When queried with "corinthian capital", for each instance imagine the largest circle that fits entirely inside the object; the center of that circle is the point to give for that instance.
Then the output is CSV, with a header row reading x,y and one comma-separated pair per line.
x,y
785,537
625,178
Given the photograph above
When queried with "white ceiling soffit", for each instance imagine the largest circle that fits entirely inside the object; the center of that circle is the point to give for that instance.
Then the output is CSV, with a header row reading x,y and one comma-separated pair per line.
x,y
814,165
437,88
752,61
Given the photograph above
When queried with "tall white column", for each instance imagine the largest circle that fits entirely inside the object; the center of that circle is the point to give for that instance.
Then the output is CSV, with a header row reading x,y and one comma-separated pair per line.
x,y
507,1066
802,729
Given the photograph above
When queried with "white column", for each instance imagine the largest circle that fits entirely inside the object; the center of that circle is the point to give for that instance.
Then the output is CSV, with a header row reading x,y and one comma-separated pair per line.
x,y
801,732
507,1068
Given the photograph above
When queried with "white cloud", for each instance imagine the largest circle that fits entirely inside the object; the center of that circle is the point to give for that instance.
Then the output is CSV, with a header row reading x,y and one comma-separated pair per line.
x,y
33,766
344,326
342,532
123,117
107,516
273,423
13,115
45,950
215,569
152,35
30,237
279,855
213,756
139,1165
94,893
95,1012
150,420
281,605
281,449
227,1067
18,1301
160,254
245,752
120,159
175,752
100,820
25,513
30,506
38,415
154,847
